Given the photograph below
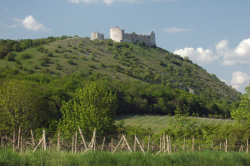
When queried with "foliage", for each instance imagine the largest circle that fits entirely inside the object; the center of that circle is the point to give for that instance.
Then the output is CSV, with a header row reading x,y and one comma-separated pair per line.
x,y
70,61
10,56
93,107
242,113
26,56
21,104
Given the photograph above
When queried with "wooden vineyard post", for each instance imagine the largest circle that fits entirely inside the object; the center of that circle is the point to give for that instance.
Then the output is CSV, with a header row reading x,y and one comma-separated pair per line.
x,y
118,144
164,142
241,148
125,140
44,140
135,144
184,144
148,142
84,143
14,140
76,143
41,140
226,145
139,145
122,144
18,139
92,144
103,143
32,138
220,145
170,146
58,141
193,143
94,139
168,143
212,146
72,143
21,144
247,146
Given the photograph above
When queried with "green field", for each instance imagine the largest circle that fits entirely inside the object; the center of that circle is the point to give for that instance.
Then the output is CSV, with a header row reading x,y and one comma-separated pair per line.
x,y
53,158
157,122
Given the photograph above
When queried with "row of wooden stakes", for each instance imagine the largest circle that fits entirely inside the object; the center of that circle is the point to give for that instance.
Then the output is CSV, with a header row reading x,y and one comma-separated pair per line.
x,y
165,143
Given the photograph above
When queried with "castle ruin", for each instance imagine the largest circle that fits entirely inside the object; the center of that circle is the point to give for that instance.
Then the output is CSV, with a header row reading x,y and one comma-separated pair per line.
x,y
118,35
96,35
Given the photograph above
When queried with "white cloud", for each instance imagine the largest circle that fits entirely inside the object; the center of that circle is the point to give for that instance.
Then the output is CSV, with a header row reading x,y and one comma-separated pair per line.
x,y
31,24
223,80
13,26
85,1
237,87
221,47
238,55
199,55
175,30
164,0
239,79
74,1
108,2
131,1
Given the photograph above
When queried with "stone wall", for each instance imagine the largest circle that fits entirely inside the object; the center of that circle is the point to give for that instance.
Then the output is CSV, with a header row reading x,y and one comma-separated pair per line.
x,y
96,35
118,35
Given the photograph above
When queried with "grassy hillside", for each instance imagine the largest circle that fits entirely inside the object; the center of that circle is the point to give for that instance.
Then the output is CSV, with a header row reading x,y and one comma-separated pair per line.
x,y
123,61
143,76
158,122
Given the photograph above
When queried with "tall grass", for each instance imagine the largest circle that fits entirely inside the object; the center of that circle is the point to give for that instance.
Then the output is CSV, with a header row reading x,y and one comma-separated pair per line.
x,y
206,158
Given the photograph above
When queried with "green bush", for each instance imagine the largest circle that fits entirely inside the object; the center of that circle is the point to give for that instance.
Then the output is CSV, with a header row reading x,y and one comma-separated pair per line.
x,y
26,56
70,61
92,66
10,56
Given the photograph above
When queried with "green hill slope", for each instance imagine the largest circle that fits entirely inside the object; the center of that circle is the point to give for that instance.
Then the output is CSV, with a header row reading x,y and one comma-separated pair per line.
x,y
118,61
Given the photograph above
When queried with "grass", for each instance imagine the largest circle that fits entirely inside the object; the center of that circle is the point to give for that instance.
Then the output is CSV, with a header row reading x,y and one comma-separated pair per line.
x,y
157,122
205,158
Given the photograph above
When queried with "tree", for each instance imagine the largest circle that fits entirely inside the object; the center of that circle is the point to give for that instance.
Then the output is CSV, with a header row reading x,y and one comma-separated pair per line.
x,y
242,113
26,43
93,107
3,51
10,56
21,104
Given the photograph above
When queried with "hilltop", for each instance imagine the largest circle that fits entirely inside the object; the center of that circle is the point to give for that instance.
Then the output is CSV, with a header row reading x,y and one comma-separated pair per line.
x,y
135,63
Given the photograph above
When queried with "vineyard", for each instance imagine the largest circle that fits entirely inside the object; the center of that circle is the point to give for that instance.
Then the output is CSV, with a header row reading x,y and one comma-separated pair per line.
x,y
117,143
157,122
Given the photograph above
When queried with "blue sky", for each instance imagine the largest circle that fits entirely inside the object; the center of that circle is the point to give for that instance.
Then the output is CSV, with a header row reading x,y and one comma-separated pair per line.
x,y
215,34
